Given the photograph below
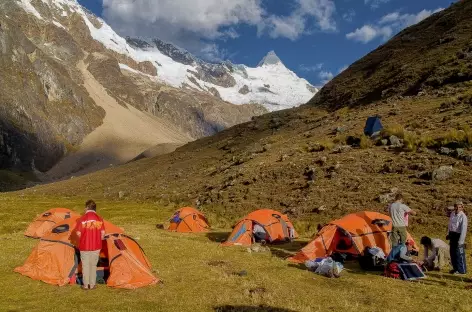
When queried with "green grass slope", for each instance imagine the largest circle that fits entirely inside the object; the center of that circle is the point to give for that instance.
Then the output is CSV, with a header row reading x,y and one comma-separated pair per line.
x,y
434,54
199,275
266,163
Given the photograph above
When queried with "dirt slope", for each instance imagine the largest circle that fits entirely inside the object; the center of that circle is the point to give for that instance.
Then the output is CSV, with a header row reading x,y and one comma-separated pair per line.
x,y
124,134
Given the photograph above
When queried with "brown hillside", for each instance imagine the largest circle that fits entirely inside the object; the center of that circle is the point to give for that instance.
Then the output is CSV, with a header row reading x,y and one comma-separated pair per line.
x,y
297,160
267,163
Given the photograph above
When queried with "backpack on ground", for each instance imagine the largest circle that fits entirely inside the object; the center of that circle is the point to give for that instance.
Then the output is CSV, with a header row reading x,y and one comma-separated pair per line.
x,y
373,259
392,270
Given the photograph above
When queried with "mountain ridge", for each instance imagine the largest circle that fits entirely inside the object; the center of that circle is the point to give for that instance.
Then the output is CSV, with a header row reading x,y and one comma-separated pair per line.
x,y
227,78
53,117
432,54
270,59
237,84
314,162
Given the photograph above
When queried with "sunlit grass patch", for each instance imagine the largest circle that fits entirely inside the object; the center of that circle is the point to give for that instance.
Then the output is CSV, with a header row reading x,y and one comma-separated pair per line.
x,y
200,275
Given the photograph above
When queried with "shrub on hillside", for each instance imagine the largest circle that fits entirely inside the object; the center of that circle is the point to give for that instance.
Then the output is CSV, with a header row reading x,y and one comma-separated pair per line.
x,y
366,142
396,130
342,112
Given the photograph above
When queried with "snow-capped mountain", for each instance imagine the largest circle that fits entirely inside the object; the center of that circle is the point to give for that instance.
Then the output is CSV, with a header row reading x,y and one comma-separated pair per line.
x,y
76,97
270,59
270,83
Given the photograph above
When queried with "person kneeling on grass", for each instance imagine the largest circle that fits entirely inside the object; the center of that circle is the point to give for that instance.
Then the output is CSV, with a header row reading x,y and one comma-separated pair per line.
x,y
91,231
436,253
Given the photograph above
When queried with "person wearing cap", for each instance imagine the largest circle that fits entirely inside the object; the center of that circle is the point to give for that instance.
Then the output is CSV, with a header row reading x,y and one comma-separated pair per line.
x,y
457,233
436,253
398,210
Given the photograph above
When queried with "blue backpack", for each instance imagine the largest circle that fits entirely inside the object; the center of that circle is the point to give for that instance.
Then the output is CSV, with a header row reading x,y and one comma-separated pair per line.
x,y
394,254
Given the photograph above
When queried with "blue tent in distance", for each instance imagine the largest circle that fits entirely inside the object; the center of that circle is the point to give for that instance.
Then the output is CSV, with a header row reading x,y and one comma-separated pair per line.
x,y
373,125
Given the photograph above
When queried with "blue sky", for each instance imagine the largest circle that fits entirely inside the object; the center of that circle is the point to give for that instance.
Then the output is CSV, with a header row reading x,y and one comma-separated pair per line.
x,y
314,38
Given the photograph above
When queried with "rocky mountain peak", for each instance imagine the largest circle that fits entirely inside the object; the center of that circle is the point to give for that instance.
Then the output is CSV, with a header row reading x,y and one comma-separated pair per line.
x,y
270,59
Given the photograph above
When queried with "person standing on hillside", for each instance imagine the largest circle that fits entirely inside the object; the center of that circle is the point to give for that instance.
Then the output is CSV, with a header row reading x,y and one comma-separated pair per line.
x,y
457,233
91,231
398,212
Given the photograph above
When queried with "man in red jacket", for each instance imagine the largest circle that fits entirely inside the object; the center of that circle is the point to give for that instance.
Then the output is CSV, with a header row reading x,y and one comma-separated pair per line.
x,y
91,231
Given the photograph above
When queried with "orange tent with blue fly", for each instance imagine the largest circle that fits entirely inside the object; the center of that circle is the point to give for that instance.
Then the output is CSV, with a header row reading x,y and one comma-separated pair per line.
x,y
188,220
262,225
47,220
55,259
350,235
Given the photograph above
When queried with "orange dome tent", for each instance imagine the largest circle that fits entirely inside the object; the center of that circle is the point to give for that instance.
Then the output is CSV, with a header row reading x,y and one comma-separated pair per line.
x,y
351,235
56,260
277,227
188,220
47,220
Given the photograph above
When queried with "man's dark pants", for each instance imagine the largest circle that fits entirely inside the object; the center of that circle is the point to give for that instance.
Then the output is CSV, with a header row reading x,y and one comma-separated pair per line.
x,y
457,253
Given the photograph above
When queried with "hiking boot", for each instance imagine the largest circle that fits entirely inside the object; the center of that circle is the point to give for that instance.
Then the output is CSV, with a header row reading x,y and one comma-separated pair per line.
x,y
456,273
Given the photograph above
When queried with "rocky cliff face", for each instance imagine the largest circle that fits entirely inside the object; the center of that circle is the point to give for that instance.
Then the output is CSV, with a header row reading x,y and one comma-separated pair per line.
x,y
43,112
46,113
197,114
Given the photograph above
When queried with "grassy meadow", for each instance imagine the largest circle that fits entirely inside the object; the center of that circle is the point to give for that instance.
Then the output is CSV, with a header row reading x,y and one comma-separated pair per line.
x,y
199,275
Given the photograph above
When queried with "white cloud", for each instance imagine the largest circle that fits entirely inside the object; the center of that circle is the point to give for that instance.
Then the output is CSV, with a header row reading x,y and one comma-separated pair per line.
x,y
321,10
388,25
389,18
297,23
349,15
396,19
311,68
190,24
291,27
368,33
375,4
197,24
205,17
213,53
325,77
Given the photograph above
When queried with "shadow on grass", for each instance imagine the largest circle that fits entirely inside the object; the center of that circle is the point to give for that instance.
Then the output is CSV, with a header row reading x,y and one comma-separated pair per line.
x,y
300,266
353,267
285,250
453,278
218,236
432,282
261,308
